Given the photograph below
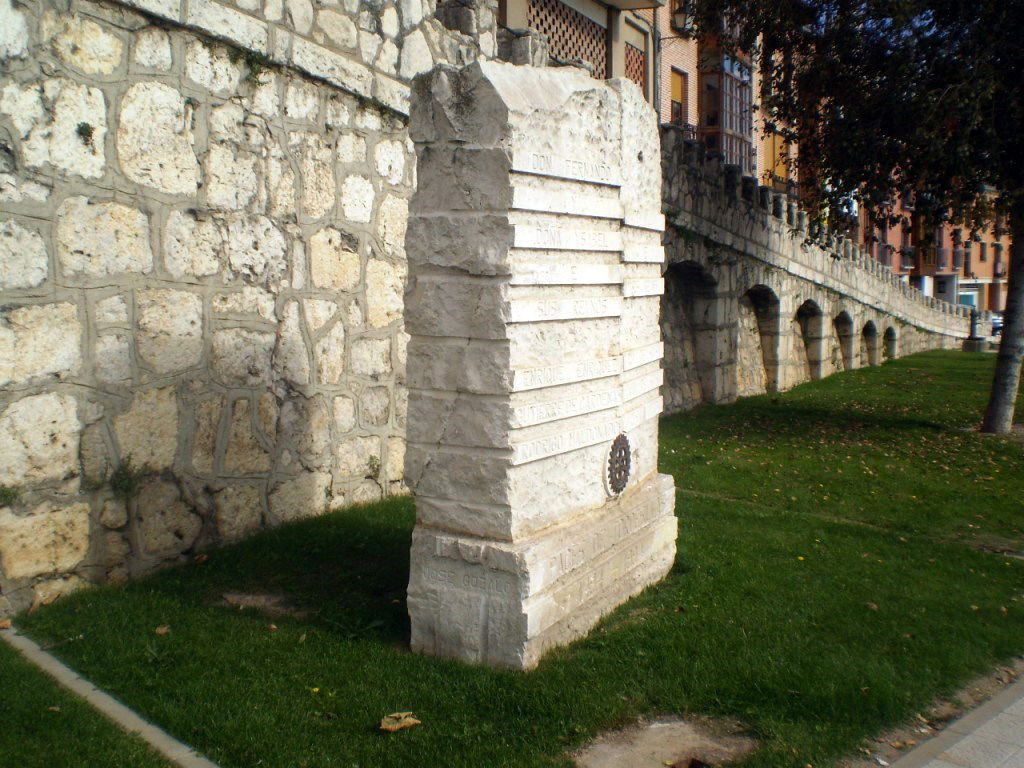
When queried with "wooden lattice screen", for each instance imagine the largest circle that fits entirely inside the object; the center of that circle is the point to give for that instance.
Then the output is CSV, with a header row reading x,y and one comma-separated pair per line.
x,y
571,35
636,66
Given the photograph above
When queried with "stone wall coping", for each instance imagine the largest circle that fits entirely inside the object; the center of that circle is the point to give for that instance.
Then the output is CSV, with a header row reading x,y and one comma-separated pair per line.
x,y
279,44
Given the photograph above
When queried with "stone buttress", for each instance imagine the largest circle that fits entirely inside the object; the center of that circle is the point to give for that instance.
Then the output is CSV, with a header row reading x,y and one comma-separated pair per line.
x,y
535,255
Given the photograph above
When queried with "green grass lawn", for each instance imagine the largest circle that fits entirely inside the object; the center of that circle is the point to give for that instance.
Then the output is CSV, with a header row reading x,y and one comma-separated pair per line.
x,y
44,726
831,580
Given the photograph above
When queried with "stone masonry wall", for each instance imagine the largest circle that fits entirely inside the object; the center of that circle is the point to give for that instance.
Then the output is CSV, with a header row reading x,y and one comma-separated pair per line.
x,y
201,268
742,272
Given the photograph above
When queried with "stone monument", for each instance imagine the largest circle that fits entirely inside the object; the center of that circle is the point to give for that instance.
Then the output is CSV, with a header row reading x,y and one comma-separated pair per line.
x,y
975,343
534,363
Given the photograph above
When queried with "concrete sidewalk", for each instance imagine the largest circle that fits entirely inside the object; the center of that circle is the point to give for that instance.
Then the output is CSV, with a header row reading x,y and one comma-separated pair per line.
x,y
991,736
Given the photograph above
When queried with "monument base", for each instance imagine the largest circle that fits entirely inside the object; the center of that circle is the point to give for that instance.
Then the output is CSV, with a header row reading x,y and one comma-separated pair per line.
x,y
975,345
507,603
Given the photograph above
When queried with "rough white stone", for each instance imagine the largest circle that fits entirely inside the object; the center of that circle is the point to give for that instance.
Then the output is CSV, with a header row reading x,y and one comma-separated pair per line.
x,y
359,457
392,221
416,56
291,357
344,414
302,101
249,301
244,454
191,248
357,198
99,239
39,340
265,100
112,309
154,139
389,157
375,406
395,466
153,49
333,263
330,355
385,285
166,525
15,190
351,148
232,177
13,32
335,68
387,59
169,332
371,357
72,136
148,430
339,28
238,510
301,14
303,496
389,21
114,514
23,258
112,358
256,249
82,43
204,445
412,13
280,183
369,44
318,312
24,106
316,177
368,119
241,357
212,69
48,540
39,438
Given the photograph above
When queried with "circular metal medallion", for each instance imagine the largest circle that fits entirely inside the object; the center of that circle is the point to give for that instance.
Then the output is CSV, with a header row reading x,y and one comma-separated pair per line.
x,y
619,464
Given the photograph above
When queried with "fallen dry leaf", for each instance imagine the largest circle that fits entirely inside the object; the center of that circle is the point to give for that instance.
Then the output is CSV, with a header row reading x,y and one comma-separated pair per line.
x,y
398,721
872,606
53,709
272,627
5,624
163,629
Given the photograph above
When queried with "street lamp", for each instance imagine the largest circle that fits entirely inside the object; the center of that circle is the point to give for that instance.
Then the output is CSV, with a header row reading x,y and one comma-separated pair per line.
x,y
683,17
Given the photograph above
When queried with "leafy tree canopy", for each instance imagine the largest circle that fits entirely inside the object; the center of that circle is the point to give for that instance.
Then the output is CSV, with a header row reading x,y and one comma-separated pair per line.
x,y
888,95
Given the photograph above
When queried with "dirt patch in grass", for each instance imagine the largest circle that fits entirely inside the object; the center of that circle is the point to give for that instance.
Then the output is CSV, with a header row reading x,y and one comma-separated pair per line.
x,y
892,745
270,605
668,742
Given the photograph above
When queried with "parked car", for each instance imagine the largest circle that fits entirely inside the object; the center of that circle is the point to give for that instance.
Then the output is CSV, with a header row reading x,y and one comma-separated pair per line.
x,y
997,324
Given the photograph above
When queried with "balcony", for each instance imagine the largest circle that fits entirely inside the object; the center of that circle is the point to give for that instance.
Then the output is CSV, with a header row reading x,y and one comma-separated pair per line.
x,y
942,263
999,269
908,258
634,5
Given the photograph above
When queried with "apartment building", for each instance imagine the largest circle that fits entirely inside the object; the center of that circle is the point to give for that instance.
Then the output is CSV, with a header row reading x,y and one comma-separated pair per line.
x,y
948,261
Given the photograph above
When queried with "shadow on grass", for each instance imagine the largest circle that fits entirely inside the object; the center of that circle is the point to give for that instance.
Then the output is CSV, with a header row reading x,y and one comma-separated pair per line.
x,y
346,572
774,416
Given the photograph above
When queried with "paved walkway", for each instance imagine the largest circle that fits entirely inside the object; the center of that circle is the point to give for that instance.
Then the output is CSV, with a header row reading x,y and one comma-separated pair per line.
x,y
991,736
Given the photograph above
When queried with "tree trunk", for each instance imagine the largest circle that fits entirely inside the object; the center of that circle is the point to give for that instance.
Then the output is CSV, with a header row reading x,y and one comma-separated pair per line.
x,y
999,414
